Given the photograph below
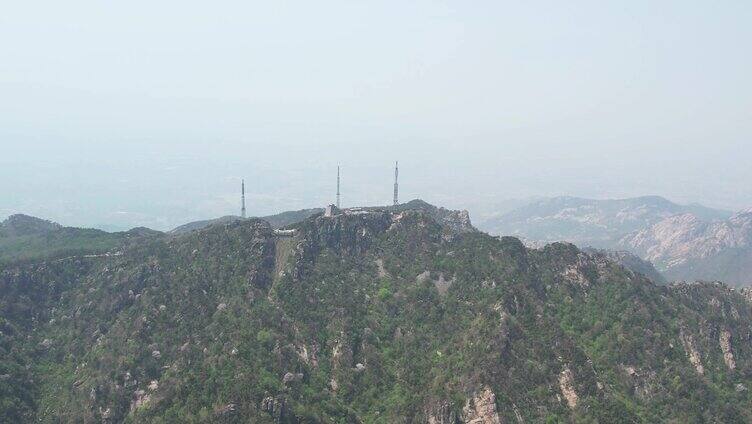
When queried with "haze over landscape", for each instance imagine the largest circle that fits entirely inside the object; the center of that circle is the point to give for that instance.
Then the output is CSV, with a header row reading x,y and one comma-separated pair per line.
x,y
110,117
568,238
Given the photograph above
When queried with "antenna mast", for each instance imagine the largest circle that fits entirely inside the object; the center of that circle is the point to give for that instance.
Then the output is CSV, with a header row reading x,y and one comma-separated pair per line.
x,y
396,185
242,197
337,186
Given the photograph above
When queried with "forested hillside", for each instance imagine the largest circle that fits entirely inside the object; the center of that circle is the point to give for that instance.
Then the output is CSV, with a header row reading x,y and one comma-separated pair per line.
x,y
24,237
370,316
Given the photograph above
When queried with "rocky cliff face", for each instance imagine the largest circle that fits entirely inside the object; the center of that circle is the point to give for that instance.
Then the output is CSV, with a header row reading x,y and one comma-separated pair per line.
x,y
685,247
455,221
590,222
682,242
368,316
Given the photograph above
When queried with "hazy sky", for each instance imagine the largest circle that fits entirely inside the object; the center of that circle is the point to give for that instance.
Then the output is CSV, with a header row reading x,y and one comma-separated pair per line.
x,y
116,114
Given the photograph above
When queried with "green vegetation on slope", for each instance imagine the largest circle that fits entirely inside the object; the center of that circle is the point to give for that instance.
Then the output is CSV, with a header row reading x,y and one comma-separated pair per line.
x,y
24,238
383,317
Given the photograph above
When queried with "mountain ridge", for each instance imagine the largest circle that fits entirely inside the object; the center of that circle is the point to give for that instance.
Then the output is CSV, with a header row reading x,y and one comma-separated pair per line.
x,y
365,316
20,225
287,218
23,237
590,222
684,242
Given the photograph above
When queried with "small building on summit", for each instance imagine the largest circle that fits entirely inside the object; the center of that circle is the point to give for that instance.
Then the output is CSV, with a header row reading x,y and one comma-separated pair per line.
x,y
331,210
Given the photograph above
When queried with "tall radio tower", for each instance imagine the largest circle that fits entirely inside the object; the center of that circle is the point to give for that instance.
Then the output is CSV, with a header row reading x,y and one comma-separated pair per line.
x,y
337,186
242,197
396,185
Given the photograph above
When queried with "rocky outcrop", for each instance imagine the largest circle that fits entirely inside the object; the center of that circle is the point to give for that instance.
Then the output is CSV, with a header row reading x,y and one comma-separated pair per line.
x,y
439,282
588,222
349,234
687,247
380,270
290,378
566,385
140,399
692,353
341,365
453,221
631,262
226,410
746,292
643,381
724,340
481,408
308,356
441,413
275,406
577,267
683,242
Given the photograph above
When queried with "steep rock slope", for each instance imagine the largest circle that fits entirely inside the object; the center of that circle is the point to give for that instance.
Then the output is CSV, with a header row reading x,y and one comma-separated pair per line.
x,y
376,316
590,222
456,220
686,247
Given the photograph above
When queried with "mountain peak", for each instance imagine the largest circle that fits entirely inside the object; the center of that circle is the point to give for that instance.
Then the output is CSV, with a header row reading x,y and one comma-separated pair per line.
x,y
20,224
457,221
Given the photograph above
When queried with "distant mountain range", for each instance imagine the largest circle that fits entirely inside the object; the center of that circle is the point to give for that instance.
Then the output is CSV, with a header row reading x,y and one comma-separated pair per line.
x,y
590,222
685,242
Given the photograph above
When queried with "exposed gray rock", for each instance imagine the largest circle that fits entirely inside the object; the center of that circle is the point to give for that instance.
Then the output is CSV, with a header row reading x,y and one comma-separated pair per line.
x,y
481,408
685,247
225,410
692,353
566,385
589,222
292,377
631,262
275,406
724,340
